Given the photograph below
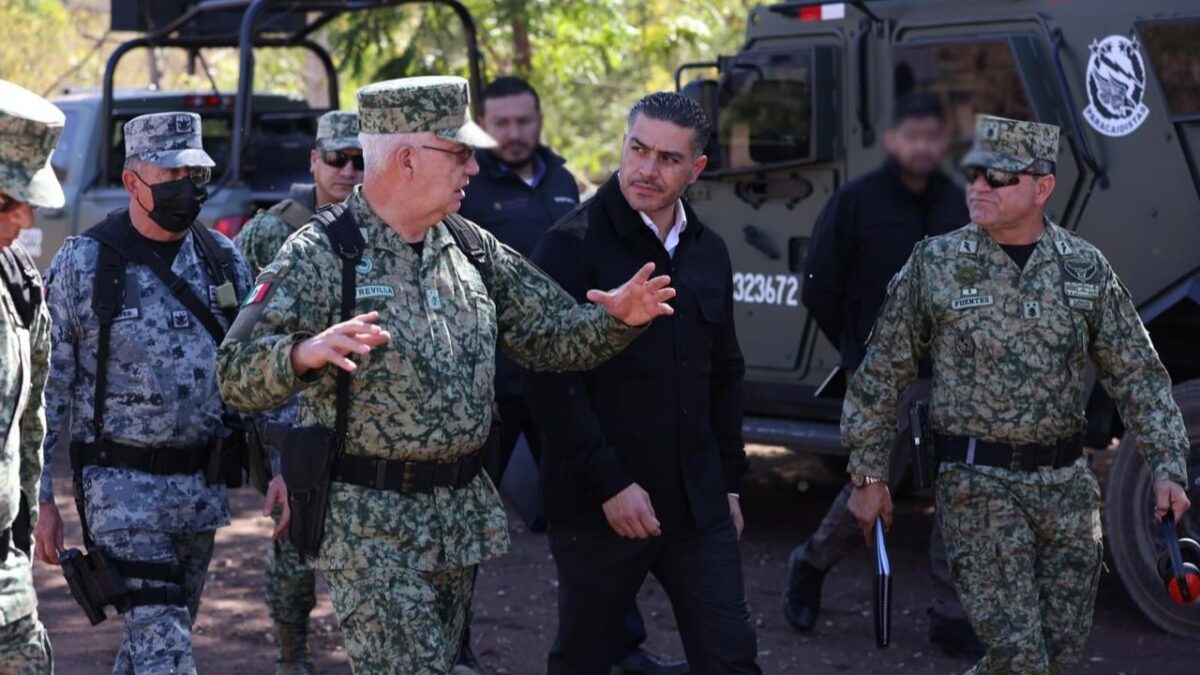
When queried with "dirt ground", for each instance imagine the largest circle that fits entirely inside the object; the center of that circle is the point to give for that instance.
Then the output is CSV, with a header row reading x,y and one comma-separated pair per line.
x,y
784,499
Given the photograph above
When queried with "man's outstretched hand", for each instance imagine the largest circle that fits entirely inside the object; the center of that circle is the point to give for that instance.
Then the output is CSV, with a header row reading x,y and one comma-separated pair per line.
x,y
638,301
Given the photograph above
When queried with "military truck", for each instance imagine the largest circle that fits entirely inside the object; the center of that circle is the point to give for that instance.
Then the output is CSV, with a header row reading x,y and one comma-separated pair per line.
x,y
801,107
260,142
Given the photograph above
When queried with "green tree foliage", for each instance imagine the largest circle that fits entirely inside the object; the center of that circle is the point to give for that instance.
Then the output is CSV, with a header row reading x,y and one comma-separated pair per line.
x,y
588,60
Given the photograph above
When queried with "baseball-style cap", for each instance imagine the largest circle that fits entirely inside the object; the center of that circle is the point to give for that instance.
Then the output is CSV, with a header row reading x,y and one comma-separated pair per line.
x,y
170,140
1011,145
439,104
337,130
29,130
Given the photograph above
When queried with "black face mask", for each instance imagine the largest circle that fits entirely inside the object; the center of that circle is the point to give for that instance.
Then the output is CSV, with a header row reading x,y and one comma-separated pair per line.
x,y
176,203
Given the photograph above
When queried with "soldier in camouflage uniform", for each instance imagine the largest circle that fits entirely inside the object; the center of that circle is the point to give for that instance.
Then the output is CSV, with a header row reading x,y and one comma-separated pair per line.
x,y
336,164
29,130
400,563
1009,309
161,407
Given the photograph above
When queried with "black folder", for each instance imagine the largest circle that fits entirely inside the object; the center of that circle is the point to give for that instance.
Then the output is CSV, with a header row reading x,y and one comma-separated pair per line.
x,y
883,589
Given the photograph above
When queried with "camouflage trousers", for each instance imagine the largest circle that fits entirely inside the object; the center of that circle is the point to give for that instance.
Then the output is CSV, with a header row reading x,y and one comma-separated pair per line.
x,y
25,648
158,638
291,585
403,621
1026,560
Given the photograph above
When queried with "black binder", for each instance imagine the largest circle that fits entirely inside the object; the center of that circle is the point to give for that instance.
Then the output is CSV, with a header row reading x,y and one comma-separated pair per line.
x,y
883,589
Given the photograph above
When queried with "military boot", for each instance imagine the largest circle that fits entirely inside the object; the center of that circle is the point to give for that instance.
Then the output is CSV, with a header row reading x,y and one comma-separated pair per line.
x,y
802,602
293,651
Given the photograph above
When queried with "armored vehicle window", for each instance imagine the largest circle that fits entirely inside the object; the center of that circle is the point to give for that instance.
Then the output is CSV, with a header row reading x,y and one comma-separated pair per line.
x,y
770,102
1174,51
969,77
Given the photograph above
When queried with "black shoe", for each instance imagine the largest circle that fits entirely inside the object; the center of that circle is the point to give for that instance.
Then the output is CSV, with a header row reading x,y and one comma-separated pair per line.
x,y
954,637
466,662
642,662
802,602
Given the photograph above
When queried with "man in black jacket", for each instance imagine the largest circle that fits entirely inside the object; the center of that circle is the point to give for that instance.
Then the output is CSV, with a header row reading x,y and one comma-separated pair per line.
x,y
522,189
643,457
862,238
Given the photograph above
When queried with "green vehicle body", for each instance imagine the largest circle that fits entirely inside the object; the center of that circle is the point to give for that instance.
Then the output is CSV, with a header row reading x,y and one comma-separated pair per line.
x,y
801,108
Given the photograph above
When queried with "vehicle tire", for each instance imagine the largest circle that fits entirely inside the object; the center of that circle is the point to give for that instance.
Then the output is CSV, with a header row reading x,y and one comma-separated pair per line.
x,y
1135,535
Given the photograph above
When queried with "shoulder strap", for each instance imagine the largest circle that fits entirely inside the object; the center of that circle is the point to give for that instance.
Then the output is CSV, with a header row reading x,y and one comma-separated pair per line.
x,y
292,212
347,241
468,239
24,284
220,262
118,234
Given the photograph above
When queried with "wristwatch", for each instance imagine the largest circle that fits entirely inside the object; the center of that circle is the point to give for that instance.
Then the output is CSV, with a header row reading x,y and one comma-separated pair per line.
x,y
860,481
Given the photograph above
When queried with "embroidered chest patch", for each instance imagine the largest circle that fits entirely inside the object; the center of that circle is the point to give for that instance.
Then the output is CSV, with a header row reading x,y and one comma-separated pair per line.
x,y
971,302
374,291
1077,290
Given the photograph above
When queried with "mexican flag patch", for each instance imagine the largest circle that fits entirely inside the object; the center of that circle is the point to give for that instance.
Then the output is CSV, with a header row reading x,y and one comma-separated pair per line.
x,y
258,293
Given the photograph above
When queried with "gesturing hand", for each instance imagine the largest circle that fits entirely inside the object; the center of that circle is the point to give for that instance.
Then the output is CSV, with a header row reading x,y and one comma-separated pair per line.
x,y
639,300
631,514
334,344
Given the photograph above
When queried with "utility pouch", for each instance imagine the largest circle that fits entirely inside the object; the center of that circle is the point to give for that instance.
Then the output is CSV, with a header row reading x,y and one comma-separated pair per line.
x,y
308,455
94,582
924,463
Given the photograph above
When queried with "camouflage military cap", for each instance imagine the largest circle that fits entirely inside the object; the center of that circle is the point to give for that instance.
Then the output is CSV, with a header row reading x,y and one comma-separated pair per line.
x,y
1011,145
440,105
170,139
29,129
337,130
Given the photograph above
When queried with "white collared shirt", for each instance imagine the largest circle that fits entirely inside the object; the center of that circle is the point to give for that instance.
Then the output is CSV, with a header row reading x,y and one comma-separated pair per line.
x,y
673,234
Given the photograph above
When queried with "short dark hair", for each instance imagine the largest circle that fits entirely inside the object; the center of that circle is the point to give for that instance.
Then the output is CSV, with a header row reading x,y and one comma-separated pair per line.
x,y
918,106
503,87
680,110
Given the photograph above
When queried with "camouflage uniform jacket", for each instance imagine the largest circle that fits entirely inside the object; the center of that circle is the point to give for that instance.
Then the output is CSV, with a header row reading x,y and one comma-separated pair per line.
x,y
1009,350
162,387
262,237
25,352
426,395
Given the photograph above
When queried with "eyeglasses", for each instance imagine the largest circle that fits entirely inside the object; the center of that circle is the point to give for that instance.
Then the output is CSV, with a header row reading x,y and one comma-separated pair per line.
x,y
995,178
200,175
338,159
463,154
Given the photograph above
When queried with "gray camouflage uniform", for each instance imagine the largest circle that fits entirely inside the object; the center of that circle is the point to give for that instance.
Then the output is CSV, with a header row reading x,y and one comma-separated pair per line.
x,y
162,392
291,583
29,129
1009,348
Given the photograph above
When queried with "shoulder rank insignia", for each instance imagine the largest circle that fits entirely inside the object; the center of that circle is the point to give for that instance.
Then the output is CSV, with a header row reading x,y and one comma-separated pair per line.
x,y
968,246
1063,247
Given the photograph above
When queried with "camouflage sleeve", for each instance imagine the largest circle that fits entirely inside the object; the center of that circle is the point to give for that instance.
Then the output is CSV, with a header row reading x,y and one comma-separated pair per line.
x,y
1133,375
61,281
33,419
540,325
293,299
899,338
260,240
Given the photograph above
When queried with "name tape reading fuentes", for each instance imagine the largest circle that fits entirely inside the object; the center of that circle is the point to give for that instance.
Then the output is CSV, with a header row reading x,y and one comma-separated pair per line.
x,y
766,289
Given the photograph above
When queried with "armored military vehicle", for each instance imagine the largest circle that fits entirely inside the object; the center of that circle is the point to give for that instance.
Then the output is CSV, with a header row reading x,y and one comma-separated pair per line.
x,y
801,107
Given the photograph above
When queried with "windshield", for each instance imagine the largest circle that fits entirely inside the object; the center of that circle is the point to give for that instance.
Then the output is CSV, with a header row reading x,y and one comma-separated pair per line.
x,y
764,101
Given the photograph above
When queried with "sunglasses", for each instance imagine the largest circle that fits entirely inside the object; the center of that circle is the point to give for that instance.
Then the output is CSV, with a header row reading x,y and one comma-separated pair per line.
x,y
200,175
995,178
338,159
463,154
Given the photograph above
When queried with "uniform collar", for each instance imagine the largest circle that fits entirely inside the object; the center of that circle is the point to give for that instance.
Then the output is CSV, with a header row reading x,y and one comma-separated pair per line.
x,y
378,234
1052,245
